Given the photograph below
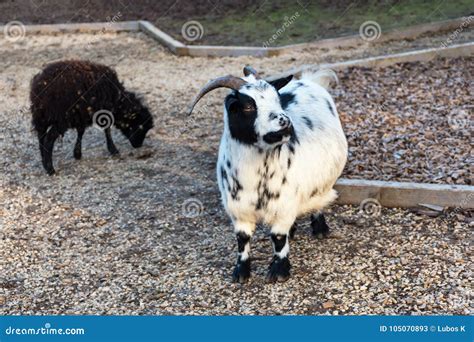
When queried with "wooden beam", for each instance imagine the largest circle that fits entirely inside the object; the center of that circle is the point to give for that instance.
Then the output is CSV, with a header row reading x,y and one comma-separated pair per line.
x,y
394,34
459,50
405,195
228,51
172,44
79,27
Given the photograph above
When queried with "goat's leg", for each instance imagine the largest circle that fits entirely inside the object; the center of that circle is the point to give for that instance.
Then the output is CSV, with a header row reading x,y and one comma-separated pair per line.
x,y
48,145
280,266
319,225
110,143
78,146
293,229
244,232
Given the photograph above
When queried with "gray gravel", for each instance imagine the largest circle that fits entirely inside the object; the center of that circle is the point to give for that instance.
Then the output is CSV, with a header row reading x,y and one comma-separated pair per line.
x,y
113,235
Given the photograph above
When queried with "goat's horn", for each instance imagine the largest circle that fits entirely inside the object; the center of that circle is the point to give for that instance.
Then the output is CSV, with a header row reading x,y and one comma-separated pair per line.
x,y
249,70
228,81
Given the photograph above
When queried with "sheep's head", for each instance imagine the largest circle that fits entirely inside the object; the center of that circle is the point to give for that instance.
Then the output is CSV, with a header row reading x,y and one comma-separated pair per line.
x,y
134,120
254,112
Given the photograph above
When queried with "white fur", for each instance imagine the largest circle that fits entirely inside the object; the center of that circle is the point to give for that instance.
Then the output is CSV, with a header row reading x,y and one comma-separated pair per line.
x,y
317,162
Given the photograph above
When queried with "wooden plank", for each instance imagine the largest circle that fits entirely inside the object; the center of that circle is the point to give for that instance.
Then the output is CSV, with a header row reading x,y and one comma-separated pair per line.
x,y
394,34
405,195
80,27
168,41
227,51
459,50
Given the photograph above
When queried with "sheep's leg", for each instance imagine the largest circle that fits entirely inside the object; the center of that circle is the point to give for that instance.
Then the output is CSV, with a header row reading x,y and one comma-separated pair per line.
x,y
78,146
48,145
280,265
110,143
41,136
242,268
319,225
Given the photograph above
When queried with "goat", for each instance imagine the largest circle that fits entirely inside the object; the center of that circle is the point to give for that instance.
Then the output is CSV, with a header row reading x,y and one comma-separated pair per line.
x,y
76,94
281,152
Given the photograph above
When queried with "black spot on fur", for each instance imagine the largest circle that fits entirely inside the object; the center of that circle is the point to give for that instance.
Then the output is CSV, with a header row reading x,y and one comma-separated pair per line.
x,y
314,192
224,176
281,82
242,240
236,188
264,193
294,138
228,164
308,122
286,99
242,268
279,241
242,113
330,107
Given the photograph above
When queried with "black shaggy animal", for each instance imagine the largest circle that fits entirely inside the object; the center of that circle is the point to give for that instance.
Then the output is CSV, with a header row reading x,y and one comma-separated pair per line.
x,y
77,94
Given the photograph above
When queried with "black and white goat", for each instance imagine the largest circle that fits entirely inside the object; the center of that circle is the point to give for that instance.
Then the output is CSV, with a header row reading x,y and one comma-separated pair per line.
x,y
281,152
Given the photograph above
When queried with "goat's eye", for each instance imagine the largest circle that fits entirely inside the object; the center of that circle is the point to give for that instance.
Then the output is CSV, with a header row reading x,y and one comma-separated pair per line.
x,y
247,109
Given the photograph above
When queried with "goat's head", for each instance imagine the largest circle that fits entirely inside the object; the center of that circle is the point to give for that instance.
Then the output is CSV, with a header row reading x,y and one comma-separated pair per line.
x,y
254,112
135,118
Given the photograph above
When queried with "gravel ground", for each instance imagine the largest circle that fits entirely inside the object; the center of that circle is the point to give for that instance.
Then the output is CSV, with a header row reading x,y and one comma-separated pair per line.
x,y
113,235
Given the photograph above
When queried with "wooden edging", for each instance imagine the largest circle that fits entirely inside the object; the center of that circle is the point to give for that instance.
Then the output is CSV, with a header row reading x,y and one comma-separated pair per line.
x,y
404,195
458,50
79,27
353,40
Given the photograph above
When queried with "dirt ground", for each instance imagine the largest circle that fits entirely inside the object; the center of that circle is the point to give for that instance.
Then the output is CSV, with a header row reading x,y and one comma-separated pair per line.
x,y
114,235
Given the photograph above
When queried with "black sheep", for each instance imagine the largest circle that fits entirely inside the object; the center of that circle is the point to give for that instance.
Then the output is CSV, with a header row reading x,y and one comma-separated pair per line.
x,y
77,94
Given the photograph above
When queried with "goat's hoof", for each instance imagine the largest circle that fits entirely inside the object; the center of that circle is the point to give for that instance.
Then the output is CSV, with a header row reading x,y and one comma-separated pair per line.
x,y
279,270
50,172
114,153
320,227
241,272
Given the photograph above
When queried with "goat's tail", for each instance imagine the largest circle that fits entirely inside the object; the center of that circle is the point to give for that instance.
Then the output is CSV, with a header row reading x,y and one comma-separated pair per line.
x,y
323,77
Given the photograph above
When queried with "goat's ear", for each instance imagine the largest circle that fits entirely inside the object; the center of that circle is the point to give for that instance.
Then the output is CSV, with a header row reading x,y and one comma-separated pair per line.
x,y
281,82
